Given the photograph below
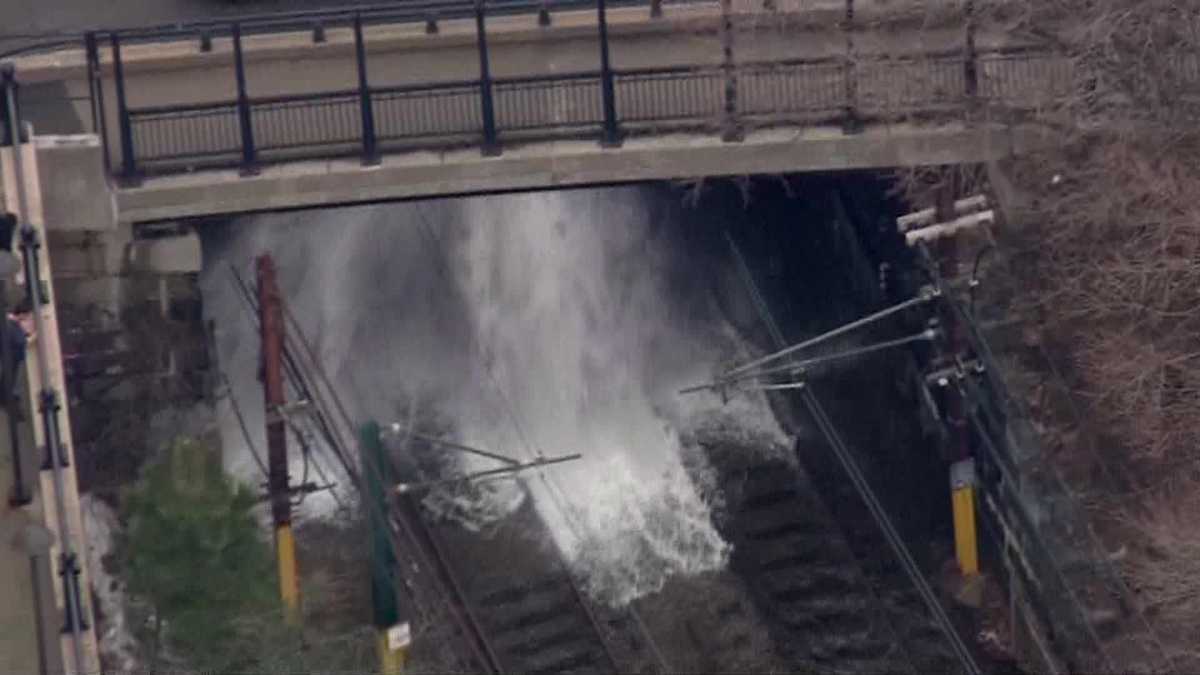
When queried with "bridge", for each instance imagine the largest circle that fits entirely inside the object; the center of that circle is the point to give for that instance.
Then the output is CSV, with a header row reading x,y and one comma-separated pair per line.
x,y
445,98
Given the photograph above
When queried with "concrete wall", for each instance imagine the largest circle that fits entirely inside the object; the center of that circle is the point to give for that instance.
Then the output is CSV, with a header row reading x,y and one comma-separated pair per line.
x,y
566,164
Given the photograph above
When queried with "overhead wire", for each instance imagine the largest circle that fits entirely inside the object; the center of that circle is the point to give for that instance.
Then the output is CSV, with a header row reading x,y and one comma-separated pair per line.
x,y
780,342
895,541
920,299
237,412
297,382
799,366
251,307
973,391
555,491
484,654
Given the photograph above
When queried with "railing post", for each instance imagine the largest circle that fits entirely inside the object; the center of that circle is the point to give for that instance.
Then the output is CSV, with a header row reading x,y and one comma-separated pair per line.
x,y
970,63
370,150
9,106
96,89
731,131
491,144
851,122
611,136
129,170
249,157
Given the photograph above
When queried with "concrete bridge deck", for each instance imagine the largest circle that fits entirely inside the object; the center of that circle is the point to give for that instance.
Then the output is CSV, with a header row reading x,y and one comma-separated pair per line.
x,y
794,82
567,163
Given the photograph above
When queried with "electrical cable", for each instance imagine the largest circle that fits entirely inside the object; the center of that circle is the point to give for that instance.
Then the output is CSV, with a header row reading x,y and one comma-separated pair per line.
x,y
780,343
237,411
974,282
859,481
1005,462
296,382
554,490
483,651
410,433
304,472
756,297
800,366
923,298
299,383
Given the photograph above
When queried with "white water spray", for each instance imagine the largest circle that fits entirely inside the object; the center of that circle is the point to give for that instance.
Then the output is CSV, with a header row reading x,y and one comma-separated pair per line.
x,y
548,324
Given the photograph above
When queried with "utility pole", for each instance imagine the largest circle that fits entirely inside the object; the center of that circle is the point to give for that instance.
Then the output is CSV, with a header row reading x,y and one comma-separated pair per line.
x,y
393,635
270,311
962,467
940,225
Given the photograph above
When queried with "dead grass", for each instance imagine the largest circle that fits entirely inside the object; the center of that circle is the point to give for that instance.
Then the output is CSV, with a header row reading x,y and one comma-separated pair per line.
x,y
1108,260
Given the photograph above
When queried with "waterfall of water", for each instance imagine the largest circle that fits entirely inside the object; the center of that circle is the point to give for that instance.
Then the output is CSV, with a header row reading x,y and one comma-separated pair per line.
x,y
546,323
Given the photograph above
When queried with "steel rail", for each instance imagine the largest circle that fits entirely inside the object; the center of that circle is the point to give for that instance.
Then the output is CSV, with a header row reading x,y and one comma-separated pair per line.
x,y
895,541
553,490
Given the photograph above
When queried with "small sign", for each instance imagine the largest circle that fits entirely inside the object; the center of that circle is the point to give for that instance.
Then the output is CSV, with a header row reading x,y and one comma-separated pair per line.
x,y
962,474
399,636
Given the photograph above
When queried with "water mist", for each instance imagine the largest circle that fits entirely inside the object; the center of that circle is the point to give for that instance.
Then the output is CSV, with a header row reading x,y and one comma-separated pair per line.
x,y
537,324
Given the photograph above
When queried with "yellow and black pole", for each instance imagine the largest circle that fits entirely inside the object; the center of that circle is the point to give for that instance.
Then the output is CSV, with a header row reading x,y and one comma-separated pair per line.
x,y
962,470
962,498
271,324
392,634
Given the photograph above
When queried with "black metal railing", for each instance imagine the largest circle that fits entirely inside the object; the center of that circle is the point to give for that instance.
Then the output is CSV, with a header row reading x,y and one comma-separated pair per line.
x,y
607,104
646,100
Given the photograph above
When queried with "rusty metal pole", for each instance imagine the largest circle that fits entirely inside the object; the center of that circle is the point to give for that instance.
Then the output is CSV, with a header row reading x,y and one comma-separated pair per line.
x,y
271,324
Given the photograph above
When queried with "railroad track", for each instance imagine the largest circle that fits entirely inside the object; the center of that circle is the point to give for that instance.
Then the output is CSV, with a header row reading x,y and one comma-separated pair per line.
x,y
796,593
541,626
804,579
529,609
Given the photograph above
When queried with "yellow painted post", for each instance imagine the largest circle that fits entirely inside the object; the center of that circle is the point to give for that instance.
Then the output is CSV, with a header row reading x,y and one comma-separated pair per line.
x,y
289,584
392,645
270,309
962,488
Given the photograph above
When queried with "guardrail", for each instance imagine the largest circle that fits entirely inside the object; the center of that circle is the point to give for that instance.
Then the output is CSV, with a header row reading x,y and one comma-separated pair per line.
x,y
370,121
607,104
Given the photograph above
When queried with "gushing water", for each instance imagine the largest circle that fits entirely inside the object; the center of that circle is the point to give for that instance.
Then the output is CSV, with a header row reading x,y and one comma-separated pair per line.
x,y
538,325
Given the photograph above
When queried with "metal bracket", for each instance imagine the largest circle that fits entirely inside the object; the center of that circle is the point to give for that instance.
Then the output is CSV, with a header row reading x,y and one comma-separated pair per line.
x,y
943,376
287,411
513,469
69,571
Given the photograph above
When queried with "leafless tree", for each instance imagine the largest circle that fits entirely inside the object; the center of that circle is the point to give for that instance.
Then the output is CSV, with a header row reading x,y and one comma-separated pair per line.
x,y
1109,267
